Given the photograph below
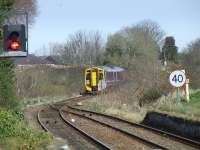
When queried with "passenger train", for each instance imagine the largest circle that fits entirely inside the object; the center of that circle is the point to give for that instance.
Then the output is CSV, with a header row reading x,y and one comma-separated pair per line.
x,y
97,79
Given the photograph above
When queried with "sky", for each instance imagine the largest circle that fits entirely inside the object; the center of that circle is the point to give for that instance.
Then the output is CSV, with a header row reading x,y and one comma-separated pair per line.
x,y
57,19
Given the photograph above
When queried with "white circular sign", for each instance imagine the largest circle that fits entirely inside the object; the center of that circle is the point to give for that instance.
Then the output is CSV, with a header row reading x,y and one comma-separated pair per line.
x,y
177,78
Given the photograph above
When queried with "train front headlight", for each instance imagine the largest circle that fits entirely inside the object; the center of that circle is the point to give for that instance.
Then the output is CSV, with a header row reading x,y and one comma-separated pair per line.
x,y
87,82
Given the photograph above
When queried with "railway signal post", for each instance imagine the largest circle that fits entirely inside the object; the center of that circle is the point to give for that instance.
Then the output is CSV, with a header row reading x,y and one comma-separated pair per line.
x,y
14,40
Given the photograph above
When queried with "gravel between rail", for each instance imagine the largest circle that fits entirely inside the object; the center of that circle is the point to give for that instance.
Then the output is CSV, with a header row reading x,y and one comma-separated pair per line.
x,y
54,124
50,120
165,141
62,118
114,139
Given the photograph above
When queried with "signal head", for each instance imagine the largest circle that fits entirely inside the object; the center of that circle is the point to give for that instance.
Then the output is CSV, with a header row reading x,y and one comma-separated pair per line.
x,y
14,40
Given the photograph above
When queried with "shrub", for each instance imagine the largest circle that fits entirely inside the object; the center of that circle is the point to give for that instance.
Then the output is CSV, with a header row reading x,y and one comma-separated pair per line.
x,y
16,135
150,95
7,85
41,81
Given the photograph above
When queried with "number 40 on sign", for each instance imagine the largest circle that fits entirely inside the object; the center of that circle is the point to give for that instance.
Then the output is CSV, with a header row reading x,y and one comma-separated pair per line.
x,y
177,78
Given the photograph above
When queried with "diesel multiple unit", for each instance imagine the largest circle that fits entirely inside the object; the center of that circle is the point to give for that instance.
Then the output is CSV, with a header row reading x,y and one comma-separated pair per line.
x,y
97,79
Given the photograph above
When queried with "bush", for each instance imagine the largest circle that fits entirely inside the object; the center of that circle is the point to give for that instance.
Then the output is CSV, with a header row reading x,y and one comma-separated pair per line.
x,y
191,62
41,81
16,135
9,124
150,95
7,85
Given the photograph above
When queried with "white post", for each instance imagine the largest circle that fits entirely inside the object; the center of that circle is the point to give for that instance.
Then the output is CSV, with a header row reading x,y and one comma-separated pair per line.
x,y
187,91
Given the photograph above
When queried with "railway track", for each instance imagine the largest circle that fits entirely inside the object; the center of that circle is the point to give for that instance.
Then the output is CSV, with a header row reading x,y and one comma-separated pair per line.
x,y
163,139
57,119
58,105
111,136
50,120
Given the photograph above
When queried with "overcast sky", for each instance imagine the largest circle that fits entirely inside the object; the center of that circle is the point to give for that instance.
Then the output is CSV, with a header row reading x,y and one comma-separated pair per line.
x,y
58,19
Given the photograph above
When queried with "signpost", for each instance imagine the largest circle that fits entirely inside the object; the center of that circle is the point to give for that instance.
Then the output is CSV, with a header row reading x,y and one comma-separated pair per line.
x,y
177,79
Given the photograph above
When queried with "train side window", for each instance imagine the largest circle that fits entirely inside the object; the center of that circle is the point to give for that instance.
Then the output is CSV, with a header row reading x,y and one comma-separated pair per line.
x,y
101,76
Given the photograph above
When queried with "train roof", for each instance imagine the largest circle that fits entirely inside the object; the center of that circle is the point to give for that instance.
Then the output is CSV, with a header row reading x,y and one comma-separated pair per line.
x,y
113,69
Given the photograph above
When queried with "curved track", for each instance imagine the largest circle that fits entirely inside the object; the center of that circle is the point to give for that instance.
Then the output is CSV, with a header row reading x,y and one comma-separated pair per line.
x,y
51,121
175,142
98,126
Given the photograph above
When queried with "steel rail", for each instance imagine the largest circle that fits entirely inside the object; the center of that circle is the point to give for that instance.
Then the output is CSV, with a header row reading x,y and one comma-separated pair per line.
x,y
96,141
142,140
184,140
40,122
90,138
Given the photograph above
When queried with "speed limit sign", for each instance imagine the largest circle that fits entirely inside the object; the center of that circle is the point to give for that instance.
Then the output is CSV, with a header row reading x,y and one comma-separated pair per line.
x,y
177,78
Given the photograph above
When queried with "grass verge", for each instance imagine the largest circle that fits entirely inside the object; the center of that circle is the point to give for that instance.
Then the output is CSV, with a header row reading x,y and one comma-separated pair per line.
x,y
189,111
128,108
112,106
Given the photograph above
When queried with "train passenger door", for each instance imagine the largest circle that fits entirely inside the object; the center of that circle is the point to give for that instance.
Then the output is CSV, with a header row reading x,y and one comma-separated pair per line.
x,y
94,79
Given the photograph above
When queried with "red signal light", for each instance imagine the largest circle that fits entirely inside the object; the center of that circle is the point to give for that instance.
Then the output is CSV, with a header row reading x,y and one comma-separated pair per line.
x,y
15,45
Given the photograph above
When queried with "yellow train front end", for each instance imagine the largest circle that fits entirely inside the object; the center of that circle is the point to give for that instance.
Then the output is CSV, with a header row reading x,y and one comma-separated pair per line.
x,y
94,80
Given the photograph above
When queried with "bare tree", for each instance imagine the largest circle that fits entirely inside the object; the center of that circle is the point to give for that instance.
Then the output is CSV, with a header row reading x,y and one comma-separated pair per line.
x,y
82,47
29,6
191,61
149,27
55,48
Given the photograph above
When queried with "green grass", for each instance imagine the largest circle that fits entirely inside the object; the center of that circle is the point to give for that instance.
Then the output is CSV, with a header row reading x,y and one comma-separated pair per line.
x,y
195,97
194,105
183,109
16,135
